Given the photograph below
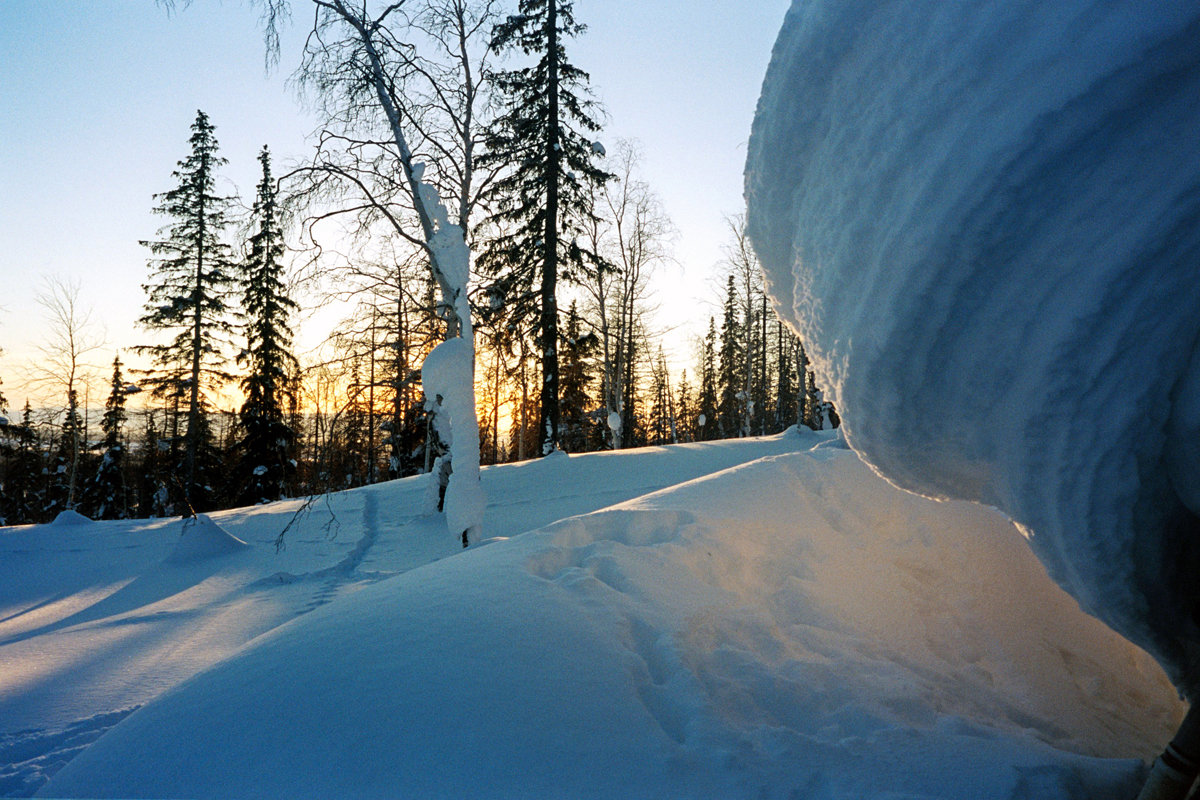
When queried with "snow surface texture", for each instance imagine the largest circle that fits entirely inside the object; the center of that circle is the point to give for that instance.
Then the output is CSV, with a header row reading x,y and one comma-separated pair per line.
x,y
791,627
984,219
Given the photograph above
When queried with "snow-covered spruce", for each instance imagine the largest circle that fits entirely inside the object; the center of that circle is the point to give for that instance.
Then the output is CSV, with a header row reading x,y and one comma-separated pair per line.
x,y
983,217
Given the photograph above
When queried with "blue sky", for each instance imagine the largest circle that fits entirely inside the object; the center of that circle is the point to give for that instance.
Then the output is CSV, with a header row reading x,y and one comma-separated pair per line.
x,y
96,98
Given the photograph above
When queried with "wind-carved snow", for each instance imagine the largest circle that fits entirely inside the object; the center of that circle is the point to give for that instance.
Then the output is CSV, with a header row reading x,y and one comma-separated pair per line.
x,y
984,219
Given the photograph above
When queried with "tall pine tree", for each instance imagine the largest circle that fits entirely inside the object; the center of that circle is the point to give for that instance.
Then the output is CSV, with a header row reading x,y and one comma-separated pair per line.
x,y
192,274
543,140
265,451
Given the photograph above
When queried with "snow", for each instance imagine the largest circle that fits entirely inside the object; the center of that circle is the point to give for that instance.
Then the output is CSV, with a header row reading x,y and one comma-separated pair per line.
x,y
748,618
448,373
448,376
69,519
982,219
201,538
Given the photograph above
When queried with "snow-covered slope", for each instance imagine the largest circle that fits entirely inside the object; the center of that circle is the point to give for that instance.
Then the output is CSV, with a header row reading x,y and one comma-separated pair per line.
x,y
793,626
984,217
97,618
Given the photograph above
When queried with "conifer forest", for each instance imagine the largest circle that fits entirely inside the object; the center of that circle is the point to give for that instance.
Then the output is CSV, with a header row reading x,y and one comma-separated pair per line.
x,y
460,185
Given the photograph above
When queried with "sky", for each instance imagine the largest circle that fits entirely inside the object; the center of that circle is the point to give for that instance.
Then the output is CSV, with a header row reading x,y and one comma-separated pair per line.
x,y
96,100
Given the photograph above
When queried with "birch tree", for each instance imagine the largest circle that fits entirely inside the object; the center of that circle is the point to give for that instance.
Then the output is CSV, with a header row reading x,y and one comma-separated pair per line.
x,y
631,233
63,368
407,120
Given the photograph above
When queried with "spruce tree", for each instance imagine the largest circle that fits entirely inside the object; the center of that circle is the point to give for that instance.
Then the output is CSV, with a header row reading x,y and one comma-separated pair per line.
x,y
660,428
760,386
6,450
785,378
731,376
60,489
192,274
685,410
21,501
542,140
264,453
152,495
106,496
578,354
349,458
706,418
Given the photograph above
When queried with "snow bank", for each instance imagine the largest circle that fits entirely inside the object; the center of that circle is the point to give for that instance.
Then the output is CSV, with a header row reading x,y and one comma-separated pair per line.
x,y
201,538
984,219
793,627
70,519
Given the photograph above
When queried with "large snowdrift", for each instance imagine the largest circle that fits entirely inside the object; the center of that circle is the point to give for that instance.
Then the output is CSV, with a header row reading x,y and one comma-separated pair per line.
x,y
791,627
984,218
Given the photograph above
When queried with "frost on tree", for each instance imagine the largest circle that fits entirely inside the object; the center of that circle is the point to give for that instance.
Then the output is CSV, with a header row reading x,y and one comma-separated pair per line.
x,y
989,212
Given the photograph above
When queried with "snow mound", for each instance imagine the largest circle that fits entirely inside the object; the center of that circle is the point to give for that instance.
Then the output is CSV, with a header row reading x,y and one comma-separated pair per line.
x,y
202,538
70,519
792,627
984,219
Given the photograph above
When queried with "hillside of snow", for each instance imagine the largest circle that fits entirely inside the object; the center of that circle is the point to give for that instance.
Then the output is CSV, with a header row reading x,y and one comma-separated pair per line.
x,y
983,217
762,618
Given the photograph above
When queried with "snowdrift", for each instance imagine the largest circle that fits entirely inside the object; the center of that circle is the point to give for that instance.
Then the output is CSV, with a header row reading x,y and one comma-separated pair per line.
x,y
201,538
984,217
790,627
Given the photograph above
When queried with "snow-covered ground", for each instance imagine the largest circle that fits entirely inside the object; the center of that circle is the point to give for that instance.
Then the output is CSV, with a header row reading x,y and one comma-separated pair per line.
x,y
754,618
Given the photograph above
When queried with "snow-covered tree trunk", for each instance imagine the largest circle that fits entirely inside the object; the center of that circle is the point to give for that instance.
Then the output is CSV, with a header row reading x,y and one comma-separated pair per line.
x,y
448,377
451,374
